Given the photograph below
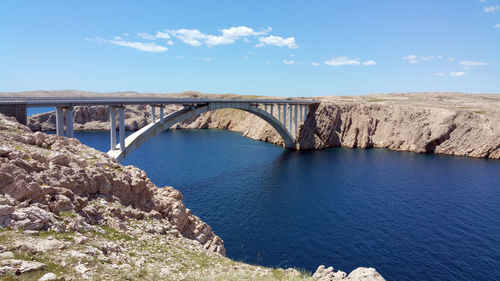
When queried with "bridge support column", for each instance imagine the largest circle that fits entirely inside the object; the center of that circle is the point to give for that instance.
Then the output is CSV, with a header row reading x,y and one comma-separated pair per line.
x,y
284,115
301,112
153,115
161,113
265,107
59,121
290,113
295,121
279,112
305,112
121,127
112,127
69,122
272,109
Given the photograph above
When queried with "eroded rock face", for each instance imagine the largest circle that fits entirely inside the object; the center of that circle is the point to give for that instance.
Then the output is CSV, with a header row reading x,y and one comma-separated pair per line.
x,y
43,176
400,128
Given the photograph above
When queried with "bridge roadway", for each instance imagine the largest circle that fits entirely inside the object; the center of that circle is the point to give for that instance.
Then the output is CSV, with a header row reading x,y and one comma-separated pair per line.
x,y
273,111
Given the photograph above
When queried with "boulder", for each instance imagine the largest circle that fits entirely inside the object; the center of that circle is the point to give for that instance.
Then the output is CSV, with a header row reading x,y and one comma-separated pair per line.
x,y
48,277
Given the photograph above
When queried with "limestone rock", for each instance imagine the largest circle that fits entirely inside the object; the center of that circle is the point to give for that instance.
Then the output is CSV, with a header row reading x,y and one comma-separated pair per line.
x,y
19,266
359,274
6,210
48,277
365,274
50,183
41,245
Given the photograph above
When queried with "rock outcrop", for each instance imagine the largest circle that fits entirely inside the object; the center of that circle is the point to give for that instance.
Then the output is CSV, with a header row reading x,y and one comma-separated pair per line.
x,y
361,274
401,128
43,176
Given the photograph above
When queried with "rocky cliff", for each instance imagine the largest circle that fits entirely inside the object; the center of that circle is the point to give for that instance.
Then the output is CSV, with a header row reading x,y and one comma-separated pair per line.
x,y
69,212
447,123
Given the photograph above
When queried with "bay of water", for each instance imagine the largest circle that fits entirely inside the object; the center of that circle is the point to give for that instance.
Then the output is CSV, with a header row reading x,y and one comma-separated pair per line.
x,y
411,216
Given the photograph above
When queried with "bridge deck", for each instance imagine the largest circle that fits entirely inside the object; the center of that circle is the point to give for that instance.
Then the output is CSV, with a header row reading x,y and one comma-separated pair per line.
x,y
81,101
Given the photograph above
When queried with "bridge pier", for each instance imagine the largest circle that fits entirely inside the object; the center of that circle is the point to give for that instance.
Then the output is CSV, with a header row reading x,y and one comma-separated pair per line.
x,y
161,113
112,127
279,112
301,111
284,115
121,127
295,120
69,121
153,115
59,121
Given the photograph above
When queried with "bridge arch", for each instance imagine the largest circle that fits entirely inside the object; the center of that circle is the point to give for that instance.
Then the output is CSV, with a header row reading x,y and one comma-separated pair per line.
x,y
136,139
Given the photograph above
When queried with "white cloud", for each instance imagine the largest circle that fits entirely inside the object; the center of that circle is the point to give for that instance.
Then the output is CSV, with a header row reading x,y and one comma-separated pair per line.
x,y
277,41
205,59
489,9
411,58
230,35
289,62
141,46
497,25
189,36
243,31
451,58
158,35
146,36
457,74
440,74
473,63
368,63
162,35
340,61
195,37
315,63
417,58
218,40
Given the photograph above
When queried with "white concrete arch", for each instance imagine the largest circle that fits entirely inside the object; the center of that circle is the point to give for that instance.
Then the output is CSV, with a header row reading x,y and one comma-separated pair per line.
x,y
139,137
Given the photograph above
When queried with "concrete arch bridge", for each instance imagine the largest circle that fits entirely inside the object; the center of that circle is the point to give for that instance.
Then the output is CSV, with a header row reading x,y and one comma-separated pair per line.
x,y
285,116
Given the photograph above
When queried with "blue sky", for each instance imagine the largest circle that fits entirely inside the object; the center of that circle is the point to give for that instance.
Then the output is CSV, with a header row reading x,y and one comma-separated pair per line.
x,y
281,48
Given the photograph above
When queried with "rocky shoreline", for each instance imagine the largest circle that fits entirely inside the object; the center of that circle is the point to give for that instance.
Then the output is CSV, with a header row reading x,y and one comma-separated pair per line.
x,y
70,212
443,123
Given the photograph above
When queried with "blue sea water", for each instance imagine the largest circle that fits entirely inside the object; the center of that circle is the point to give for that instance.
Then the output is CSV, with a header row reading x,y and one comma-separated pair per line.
x,y
411,216
35,110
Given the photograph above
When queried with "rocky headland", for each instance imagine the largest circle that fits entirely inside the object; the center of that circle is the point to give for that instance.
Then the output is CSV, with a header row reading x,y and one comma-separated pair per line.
x,y
69,212
445,123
